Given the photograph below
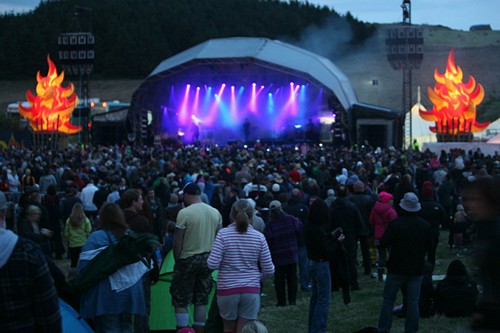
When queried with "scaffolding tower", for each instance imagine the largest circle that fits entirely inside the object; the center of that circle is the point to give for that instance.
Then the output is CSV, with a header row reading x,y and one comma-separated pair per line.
x,y
405,52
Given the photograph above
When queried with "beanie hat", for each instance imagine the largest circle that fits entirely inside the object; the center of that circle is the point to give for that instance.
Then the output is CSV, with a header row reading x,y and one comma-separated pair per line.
x,y
385,197
427,192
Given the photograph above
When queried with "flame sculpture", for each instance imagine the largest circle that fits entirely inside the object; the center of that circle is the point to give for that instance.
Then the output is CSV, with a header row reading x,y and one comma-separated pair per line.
x,y
51,109
455,102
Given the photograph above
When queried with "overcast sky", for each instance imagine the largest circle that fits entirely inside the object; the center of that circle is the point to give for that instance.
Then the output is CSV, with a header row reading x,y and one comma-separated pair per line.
x,y
456,14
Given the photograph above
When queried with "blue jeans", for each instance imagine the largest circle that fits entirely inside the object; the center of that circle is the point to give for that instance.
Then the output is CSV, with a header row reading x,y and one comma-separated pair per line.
x,y
392,286
119,323
320,296
303,268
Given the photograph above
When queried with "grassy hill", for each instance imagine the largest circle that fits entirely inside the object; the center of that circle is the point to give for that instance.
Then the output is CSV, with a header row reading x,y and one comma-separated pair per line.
x,y
477,53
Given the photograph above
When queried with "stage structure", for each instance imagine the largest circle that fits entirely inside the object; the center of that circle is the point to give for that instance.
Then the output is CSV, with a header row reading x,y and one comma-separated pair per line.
x,y
405,53
76,54
244,89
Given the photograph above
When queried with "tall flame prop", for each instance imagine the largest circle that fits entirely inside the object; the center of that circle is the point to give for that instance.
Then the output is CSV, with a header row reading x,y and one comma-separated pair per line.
x,y
454,102
51,109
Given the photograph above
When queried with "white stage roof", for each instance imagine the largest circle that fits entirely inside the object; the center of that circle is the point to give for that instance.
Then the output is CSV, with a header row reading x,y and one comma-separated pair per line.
x,y
273,52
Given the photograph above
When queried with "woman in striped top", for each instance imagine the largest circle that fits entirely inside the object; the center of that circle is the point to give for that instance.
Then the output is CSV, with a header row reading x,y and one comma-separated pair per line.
x,y
238,252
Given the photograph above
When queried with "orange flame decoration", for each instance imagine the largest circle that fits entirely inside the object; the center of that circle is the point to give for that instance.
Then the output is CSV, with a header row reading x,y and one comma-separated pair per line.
x,y
454,102
50,111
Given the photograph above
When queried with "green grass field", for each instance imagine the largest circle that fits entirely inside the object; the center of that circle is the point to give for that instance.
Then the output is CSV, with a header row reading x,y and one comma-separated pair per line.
x,y
364,308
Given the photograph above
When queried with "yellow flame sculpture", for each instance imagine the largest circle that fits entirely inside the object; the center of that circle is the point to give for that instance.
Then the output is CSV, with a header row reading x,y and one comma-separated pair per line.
x,y
454,102
51,109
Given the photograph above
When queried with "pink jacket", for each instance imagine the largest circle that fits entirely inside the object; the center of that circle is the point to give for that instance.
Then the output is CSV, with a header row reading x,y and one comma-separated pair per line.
x,y
381,215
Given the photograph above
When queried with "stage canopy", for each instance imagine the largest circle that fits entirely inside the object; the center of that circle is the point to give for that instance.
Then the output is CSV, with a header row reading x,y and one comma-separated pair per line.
x,y
241,88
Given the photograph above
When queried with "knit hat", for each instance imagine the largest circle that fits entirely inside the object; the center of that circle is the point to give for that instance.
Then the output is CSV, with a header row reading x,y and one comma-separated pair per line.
x,y
385,197
275,188
427,192
410,202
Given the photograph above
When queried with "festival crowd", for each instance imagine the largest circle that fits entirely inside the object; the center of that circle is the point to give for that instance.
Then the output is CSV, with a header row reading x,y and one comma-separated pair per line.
x,y
296,213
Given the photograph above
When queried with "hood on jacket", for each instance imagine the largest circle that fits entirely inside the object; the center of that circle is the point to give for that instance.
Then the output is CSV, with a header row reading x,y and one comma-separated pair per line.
x,y
381,207
8,241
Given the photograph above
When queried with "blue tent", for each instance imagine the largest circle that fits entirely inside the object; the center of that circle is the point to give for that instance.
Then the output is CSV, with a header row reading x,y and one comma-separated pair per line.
x,y
71,320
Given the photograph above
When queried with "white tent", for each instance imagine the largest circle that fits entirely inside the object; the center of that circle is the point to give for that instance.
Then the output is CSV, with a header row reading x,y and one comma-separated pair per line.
x,y
419,127
495,139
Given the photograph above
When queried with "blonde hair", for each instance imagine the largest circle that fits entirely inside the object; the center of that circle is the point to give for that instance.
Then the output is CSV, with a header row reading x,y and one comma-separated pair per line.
x,y
254,326
242,213
77,216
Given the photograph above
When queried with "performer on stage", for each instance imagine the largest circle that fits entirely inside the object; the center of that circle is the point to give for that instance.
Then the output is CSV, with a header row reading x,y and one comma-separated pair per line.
x,y
246,129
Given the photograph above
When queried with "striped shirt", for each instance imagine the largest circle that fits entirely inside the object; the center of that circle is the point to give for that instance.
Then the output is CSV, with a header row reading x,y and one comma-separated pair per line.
x,y
237,256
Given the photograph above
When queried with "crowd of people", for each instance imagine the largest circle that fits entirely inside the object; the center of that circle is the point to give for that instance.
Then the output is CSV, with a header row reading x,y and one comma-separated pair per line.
x,y
296,212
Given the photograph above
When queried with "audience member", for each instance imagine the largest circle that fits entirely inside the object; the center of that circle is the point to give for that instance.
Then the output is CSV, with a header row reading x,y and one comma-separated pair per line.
x,y
480,197
408,239
242,257
282,231
76,231
320,248
28,298
456,294
344,214
196,227
112,302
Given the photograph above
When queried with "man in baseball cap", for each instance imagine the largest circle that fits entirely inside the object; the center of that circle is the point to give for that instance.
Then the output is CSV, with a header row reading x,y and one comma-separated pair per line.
x,y
190,189
194,235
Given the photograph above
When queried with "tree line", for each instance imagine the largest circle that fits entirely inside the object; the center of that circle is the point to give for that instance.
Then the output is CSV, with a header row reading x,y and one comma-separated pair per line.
x,y
133,36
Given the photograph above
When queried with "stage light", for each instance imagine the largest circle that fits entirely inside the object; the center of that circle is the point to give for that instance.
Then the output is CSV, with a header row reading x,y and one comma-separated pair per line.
x,y
296,148
298,126
320,144
245,146
221,90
